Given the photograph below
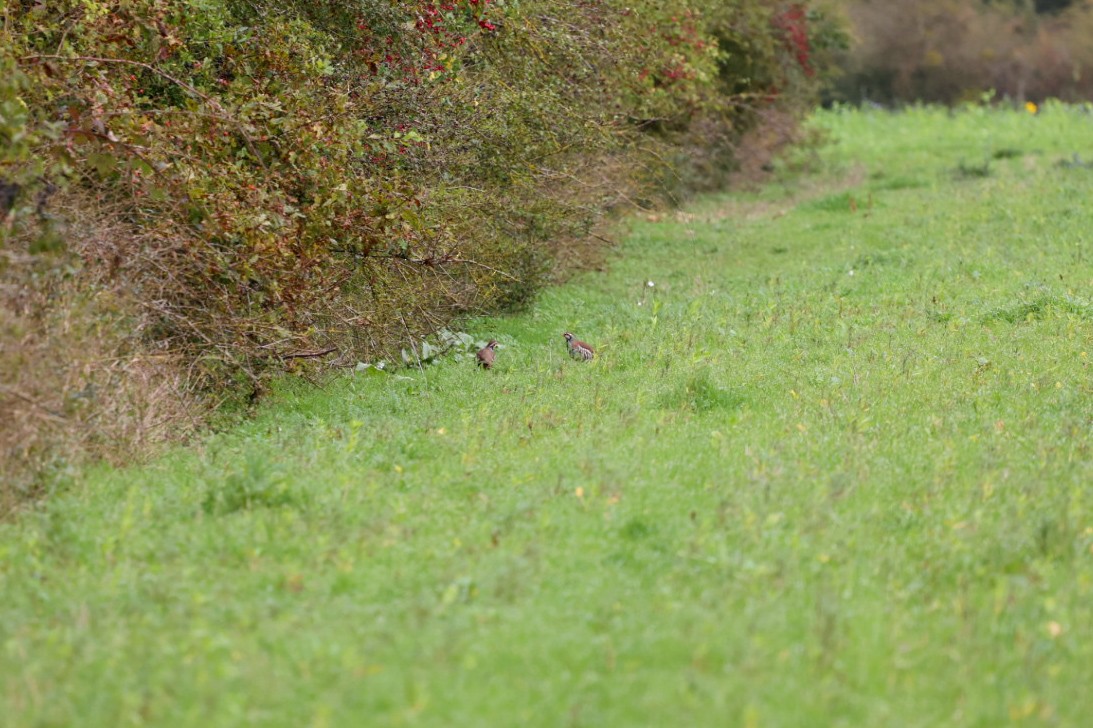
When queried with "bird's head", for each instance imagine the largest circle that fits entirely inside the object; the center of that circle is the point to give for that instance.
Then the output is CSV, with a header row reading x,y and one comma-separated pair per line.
x,y
567,336
492,344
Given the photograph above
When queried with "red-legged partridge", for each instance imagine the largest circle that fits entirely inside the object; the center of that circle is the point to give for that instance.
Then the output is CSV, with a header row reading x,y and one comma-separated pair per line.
x,y
577,348
487,354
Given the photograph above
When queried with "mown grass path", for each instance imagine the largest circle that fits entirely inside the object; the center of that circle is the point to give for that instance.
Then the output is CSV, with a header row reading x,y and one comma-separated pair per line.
x,y
833,468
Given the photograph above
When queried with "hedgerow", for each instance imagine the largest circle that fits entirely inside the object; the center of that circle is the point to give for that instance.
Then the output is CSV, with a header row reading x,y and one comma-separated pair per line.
x,y
289,181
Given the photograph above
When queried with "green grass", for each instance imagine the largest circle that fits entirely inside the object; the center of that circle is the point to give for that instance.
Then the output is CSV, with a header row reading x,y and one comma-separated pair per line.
x,y
834,468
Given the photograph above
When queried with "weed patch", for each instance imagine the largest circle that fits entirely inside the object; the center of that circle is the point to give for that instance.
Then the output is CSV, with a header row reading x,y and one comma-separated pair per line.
x,y
255,484
884,182
1007,153
841,202
701,393
1040,307
970,170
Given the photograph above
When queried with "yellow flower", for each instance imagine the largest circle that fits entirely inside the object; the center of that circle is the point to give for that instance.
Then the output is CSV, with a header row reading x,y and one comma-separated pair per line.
x,y
1031,108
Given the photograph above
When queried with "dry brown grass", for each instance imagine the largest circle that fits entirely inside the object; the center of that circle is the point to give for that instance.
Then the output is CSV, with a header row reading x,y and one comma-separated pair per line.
x,y
78,380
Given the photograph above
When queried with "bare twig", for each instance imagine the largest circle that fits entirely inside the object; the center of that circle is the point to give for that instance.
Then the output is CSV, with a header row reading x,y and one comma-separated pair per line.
x,y
309,354
31,401
126,62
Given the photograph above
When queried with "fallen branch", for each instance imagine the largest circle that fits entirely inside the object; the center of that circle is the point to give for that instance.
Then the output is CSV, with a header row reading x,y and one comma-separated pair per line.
x,y
309,354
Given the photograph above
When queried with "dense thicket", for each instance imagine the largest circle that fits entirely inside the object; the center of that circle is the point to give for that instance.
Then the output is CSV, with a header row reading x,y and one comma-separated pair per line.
x,y
950,51
195,191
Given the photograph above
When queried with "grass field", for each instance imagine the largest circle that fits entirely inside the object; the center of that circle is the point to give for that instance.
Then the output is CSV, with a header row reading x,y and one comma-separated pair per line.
x,y
834,467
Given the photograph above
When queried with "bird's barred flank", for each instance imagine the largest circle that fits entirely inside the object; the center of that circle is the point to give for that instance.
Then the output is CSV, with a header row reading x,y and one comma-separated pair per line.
x,y
578,349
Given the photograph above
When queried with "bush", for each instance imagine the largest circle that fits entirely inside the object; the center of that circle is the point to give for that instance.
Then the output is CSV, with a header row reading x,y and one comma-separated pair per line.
x,y
285,182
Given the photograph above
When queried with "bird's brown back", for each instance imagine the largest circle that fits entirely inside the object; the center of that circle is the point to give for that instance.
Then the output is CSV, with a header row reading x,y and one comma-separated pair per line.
x,y
486,357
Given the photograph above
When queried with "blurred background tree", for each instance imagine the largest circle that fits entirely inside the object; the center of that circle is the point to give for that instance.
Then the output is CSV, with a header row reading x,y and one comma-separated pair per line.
x,y
948,51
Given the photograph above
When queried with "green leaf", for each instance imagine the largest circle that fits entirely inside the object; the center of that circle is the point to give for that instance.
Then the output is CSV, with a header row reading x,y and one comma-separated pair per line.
x,y
102,162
